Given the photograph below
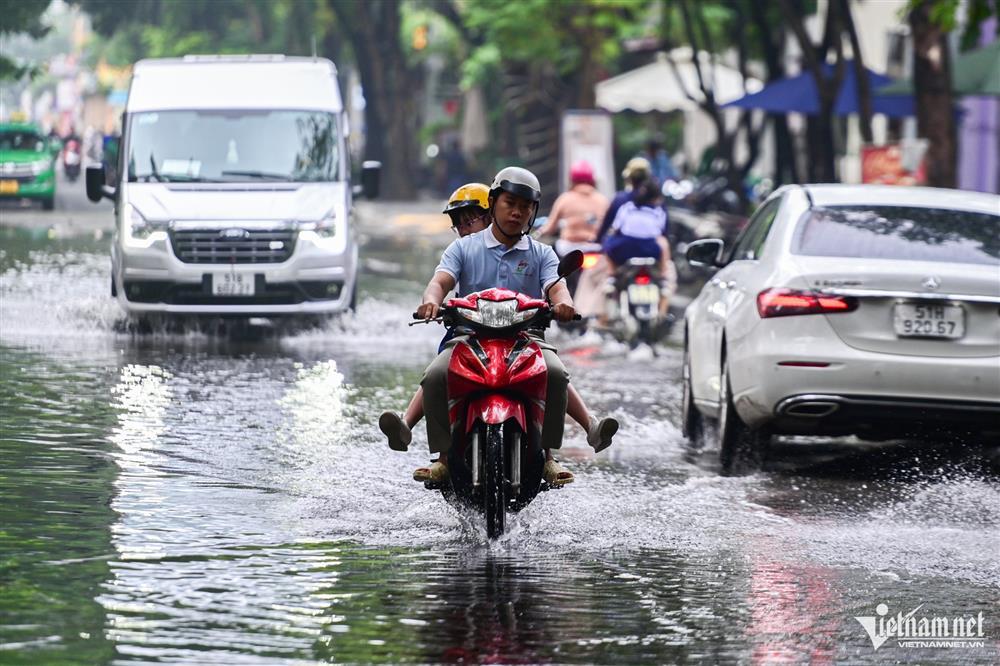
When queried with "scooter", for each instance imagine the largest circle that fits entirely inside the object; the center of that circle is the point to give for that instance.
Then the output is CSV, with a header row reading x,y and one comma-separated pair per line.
x,y
497,381
72,159
634,303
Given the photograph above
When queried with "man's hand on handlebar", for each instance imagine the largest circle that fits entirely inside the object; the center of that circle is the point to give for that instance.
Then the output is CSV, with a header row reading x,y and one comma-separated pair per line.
x,y
563,311
427,310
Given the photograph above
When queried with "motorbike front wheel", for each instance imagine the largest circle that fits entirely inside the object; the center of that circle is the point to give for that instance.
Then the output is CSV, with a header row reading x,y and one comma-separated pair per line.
x,y
494,487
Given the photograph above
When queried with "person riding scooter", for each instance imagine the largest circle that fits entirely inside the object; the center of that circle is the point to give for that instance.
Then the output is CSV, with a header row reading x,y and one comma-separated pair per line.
x,y
639,230
577,212
576,216
468,207
505,253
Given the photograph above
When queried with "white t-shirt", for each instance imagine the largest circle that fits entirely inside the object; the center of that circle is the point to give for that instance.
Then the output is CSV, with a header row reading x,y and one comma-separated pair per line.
x,y
640,222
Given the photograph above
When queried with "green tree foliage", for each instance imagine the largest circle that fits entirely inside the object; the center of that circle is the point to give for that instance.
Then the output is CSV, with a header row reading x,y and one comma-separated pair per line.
x,y
165,28
20,16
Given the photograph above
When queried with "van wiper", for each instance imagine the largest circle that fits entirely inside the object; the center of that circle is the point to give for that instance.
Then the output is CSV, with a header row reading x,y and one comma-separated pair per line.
x,y
264,175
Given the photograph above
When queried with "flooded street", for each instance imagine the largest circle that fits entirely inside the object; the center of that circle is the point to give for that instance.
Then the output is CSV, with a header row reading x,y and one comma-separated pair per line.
x,y
197,497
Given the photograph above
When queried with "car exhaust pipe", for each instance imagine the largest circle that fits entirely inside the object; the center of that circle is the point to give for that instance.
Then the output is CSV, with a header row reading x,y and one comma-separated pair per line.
x,y
810,408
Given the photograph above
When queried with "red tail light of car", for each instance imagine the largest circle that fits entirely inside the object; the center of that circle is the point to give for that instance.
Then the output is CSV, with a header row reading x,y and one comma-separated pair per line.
x,y
789,302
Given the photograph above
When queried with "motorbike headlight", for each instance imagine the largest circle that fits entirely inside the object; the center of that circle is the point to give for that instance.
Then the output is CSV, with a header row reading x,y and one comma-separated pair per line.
x,y
498,314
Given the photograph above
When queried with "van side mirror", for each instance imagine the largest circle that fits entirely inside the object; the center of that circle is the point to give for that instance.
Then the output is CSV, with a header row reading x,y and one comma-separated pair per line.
x,y
97,188
706,252
371,171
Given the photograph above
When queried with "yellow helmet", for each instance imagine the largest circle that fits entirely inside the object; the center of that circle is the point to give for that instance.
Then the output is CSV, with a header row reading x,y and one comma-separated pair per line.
x,y
470,194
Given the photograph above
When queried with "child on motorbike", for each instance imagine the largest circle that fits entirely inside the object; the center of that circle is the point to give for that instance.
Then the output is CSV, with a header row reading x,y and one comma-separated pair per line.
x,y
640,230
475,262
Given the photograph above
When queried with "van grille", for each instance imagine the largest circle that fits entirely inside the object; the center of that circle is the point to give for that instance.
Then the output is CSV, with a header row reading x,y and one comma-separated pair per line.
x,y
233,246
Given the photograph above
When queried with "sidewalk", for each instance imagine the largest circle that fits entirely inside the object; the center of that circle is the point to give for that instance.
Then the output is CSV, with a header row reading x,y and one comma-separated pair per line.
x,y
419,219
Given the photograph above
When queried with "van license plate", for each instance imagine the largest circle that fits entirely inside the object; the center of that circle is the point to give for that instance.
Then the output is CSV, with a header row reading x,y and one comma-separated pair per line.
x,y
9,186
928,321
232,284
639,294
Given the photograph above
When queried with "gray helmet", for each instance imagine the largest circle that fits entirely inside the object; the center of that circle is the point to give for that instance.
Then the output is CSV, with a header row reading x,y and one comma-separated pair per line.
x,y
517,181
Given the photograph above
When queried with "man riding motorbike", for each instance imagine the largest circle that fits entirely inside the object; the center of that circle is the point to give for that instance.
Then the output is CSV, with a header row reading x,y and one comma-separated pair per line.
x,y
468,207
502,256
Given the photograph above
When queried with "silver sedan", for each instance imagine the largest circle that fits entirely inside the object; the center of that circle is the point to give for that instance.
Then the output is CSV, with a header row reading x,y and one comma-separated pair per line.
x,y
848,310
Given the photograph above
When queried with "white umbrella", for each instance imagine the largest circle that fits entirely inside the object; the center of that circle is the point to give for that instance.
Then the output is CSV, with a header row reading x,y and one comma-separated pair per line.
x,y
658,85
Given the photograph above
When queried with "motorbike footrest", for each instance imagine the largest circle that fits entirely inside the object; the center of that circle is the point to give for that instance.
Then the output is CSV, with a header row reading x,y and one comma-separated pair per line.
x,y
433,485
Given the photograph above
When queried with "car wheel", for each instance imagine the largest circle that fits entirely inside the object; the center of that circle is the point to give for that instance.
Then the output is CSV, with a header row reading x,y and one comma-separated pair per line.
x,y
48,204
741,448
692,422
353,305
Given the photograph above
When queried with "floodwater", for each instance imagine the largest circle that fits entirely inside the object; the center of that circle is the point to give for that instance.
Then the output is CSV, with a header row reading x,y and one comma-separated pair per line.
x,y
191,497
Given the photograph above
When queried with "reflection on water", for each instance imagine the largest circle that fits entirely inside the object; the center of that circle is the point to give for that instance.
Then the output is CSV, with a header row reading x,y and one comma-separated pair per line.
x,y
194,499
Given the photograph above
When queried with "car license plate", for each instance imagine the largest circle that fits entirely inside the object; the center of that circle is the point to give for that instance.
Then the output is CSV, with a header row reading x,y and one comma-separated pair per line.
x,y
928,321
9,187
232,284
643,293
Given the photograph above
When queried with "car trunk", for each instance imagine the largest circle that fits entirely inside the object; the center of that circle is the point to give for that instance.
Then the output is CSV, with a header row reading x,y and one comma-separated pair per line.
x,y
912,307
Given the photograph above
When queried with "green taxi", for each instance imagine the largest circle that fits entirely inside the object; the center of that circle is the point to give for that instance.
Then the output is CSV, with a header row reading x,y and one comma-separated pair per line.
x,y
27,164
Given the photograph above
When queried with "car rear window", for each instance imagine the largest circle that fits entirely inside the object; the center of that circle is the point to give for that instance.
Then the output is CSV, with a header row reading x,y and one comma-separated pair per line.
x,y
899,232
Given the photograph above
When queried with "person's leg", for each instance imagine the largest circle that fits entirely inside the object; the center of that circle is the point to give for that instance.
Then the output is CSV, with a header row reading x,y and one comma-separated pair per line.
x,y
665,266
599,431
435,402
434,387
576,409
415,410
399,430
556,400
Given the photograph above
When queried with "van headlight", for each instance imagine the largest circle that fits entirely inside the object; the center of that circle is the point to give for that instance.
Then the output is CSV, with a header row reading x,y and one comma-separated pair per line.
x,y
139,231
38,166
325,228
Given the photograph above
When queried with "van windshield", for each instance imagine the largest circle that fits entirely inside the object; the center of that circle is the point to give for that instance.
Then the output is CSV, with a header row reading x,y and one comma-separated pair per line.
x,y
234,146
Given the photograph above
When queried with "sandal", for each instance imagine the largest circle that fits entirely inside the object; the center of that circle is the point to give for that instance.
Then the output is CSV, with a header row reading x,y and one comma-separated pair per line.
x,y
600,433
555,474
393,427
436,473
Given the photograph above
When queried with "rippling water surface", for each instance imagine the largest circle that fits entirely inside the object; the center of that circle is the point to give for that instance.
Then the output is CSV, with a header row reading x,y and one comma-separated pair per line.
x,y
187,497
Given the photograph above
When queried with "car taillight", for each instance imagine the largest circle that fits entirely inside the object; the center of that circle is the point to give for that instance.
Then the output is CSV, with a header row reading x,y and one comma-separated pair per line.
x,y
788,302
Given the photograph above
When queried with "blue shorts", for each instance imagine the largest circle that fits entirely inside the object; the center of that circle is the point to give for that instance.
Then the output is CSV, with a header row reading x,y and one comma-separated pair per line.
x,y
621,248
449,334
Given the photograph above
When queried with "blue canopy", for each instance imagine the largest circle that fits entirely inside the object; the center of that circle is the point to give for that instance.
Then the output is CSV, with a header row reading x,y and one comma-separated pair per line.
x,y
799,94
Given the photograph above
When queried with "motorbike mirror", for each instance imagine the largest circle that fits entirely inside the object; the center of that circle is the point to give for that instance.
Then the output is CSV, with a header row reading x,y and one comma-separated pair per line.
x,y
705,252
570,263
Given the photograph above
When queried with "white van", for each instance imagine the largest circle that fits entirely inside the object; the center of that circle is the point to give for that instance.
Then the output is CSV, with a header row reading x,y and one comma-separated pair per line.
x,y
232,192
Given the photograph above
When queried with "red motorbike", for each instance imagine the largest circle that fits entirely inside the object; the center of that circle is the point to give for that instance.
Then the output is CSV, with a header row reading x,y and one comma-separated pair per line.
x,y
497,380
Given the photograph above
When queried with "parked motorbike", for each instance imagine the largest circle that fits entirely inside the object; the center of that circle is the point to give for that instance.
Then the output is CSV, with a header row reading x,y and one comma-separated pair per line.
x,y
633,303
72,159
496,388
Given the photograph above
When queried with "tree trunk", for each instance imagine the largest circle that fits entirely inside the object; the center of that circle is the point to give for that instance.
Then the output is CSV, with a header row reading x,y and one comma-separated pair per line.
x,y
390,86
860,75
532,96
933,96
